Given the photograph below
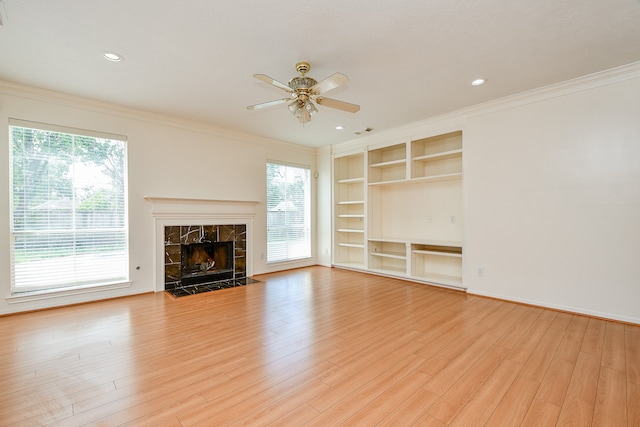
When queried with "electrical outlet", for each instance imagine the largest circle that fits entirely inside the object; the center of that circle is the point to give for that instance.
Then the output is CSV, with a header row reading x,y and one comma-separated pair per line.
x,y
480,271
429,219
453,219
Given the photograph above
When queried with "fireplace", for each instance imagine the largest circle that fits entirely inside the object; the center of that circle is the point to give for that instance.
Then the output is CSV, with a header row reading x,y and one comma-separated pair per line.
x,y
207,262
222,221
202,254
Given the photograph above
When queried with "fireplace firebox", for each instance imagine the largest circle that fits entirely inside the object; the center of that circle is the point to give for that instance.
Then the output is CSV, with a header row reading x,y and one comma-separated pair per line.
x,y
207,262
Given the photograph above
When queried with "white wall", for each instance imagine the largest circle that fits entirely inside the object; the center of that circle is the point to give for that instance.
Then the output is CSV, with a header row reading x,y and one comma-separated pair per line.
x,y
551,197
553,202
217,165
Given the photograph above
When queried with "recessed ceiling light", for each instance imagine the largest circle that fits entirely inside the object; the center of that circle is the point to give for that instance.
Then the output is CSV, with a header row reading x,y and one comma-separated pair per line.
x,y
112,56
339,127
478,82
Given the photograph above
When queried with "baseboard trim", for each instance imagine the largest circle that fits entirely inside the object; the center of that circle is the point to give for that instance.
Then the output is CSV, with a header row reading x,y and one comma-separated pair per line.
x,y
557,307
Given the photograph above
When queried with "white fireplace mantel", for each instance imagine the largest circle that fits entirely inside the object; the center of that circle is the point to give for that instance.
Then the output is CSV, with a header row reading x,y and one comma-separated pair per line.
x,y
172,211
167,206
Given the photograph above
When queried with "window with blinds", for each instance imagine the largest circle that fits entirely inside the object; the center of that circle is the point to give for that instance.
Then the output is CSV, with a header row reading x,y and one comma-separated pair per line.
x,y
68,207
288,212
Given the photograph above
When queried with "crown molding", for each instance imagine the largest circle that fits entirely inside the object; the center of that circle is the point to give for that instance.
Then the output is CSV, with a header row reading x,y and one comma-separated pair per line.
x,y
88,104
579,84
456,120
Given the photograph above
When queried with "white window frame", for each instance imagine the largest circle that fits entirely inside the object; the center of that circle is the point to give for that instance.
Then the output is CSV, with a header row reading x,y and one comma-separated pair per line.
x,y
291,250
118,280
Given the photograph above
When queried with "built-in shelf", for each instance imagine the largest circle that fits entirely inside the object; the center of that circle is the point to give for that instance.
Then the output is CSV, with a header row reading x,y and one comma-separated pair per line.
x,y
439,156
438,178
438,262
349,215
388,255
417,241
411,189
351,245
391,182
351,180
351,202
396,255
424,179
389,163
423,252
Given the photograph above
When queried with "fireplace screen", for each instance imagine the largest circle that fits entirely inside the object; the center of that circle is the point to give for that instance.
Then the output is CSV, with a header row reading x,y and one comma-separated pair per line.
x,y
207,262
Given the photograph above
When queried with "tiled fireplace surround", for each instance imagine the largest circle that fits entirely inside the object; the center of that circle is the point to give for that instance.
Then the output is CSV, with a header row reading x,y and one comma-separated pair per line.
x,y
182,221
177,235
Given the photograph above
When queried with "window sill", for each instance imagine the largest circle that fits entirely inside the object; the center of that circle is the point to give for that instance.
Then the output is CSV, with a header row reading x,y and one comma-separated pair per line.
x,y
291,260
29,296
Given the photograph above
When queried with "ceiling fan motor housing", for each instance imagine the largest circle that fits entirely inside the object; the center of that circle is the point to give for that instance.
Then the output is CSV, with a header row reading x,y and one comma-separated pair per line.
x,y
302,83
302,86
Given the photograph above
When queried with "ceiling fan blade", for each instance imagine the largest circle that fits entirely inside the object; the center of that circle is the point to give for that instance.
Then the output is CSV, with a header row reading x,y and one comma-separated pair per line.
x,y
329,83
273,82
268,104
340,105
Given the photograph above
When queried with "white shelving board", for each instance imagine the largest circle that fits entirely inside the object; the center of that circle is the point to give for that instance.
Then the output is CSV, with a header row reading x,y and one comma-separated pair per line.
x,y
388,163
440,156
351,180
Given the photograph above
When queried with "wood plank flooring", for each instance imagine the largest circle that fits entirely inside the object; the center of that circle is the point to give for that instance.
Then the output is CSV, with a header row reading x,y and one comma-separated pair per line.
x,y
317,347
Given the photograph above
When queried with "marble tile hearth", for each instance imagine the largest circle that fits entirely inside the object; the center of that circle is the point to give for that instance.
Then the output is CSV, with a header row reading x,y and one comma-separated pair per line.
x,y
207,287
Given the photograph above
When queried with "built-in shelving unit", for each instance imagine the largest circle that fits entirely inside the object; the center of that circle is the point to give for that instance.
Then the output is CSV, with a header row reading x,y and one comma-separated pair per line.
x,y
408,222
388,164
437,158
349,211
388,256
439,262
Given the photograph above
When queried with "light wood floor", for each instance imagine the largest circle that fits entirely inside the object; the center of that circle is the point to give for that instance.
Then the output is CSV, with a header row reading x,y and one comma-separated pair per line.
x,y
319,347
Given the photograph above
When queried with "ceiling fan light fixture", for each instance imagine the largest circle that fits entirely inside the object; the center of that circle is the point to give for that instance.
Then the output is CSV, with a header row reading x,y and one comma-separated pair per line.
x,y
304,116
294,107
311,109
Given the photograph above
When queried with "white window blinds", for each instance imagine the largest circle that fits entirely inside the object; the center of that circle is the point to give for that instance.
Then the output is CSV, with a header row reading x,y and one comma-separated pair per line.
x,y
288,212
68,207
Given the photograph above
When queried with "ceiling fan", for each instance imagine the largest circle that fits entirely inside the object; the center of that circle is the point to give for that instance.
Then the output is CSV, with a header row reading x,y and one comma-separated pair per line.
x,y
303,91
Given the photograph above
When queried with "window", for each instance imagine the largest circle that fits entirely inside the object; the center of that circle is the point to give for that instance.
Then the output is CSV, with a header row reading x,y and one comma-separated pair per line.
x,y
68,207
288,212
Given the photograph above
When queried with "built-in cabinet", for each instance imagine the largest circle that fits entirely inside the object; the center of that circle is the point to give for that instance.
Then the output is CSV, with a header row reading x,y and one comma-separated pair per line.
x,y
398,210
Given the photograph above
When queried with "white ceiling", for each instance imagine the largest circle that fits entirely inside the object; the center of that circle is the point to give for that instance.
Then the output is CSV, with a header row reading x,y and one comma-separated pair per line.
x,y
407,60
